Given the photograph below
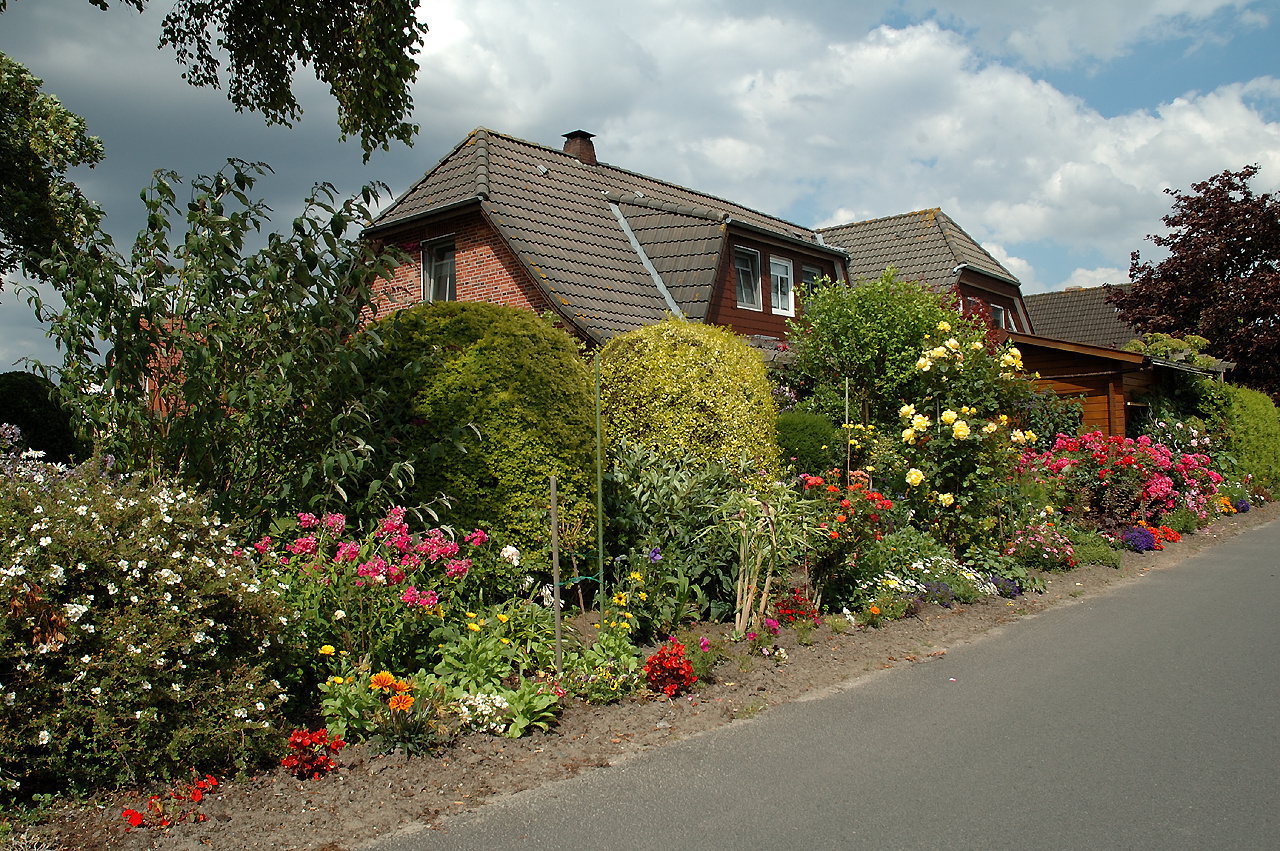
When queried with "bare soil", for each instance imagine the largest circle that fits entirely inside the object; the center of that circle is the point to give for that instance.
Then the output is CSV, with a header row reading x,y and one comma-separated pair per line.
x,y
370,796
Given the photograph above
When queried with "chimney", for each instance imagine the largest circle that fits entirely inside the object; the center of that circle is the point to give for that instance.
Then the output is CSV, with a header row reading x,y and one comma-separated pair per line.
x,y
578,144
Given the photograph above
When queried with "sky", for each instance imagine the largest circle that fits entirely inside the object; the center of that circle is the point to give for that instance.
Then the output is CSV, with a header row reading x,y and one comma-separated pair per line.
x,y
1049,132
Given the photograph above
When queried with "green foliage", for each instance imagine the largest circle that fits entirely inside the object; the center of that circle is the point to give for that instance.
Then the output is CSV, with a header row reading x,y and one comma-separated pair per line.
x,y
666,502
1046,414
1252,429
519,385
225,369
606,671
689,389
32,404
1091,548
39,141
871,334
137,642
809,442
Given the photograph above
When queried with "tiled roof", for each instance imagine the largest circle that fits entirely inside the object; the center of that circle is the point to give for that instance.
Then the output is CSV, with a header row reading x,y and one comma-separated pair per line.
x,y
1079,316
558,215
926,246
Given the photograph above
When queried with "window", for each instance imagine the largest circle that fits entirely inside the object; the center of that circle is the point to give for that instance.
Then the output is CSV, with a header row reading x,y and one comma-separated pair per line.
x,y
439,279
781,297
809,277
746,263
998,317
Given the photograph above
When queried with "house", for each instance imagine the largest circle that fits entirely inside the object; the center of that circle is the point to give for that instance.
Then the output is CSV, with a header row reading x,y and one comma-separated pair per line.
x,y
503,220
1067,346
929,247
1080,315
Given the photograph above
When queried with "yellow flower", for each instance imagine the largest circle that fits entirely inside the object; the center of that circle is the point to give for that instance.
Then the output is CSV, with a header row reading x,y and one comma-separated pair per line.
x,y
989,428
505,640
382,681
1048,509
627,615
960,431
944,326
636,577
337,681
920,422
924,364
643,596
946,499
620,598
503,618
948,416
473,627
327,650
908,435
1031,436
1004,419
953,344
907,411
471,614
914,477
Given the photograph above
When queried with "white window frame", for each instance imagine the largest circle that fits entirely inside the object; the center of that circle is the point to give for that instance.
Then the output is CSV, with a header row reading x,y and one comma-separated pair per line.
x,y
429,261
999,320
751,257
782,289
809,277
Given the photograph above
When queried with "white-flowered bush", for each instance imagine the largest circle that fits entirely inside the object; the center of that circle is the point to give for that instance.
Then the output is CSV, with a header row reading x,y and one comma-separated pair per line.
x,y
135,639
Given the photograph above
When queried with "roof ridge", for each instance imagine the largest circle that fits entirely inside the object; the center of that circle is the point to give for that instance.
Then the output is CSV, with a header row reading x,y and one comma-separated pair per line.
x,y
934,210
635,199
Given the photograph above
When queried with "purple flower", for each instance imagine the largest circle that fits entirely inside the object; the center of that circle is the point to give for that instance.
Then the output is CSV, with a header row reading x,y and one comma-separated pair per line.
x,y
655,555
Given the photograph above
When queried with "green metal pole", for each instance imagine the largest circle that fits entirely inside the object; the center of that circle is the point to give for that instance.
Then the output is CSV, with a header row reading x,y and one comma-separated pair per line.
x,y
599,494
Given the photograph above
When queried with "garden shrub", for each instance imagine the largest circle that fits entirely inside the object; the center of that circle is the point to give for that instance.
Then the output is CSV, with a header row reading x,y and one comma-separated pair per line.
x,y
690,389
32,404
870,333
1252,427
519,382
1047,415
809,443
1091,548
136,640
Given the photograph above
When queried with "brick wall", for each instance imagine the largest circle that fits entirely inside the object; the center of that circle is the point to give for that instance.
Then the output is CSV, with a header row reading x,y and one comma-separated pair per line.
x,y
486,268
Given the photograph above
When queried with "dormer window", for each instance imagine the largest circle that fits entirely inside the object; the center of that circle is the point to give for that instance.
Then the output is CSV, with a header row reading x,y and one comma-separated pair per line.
x,y
746,264
439,277
782,298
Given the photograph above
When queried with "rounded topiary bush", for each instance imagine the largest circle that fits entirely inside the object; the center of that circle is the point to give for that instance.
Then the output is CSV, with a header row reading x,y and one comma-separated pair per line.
x,y
136,641
810,443
31,403
522,385
694,389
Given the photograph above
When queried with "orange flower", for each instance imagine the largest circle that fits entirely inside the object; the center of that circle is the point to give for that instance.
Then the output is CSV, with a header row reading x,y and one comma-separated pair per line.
x,y
875,610
834,534
402,687
840,518
383,681
401,702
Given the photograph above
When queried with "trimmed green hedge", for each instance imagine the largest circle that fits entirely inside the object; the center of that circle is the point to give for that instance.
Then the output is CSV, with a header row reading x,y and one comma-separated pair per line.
x,y
692,389
1252,426
810,443
522,385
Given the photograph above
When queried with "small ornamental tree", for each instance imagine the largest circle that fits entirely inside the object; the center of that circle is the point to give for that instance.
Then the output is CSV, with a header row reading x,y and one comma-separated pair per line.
x,y
506,401
871,334
689,388
31,403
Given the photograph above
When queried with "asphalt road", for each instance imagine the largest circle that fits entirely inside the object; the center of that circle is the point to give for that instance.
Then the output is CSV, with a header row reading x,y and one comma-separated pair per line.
x,y
1147,717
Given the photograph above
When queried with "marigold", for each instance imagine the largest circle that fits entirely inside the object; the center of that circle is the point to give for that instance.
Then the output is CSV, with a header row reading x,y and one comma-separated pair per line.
x,y
400,703
875,610
503,618
473,627
327,650
382,681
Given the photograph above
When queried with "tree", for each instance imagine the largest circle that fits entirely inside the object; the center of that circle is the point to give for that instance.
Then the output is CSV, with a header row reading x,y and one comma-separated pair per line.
x,y
363,50
238,373
39,141
1221,279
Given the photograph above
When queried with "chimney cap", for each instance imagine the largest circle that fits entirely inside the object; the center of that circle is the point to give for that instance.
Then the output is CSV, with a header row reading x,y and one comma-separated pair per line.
x,y
578,144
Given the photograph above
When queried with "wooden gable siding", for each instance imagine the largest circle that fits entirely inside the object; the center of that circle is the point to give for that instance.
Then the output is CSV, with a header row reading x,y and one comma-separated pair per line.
x,y
724,308
1106,385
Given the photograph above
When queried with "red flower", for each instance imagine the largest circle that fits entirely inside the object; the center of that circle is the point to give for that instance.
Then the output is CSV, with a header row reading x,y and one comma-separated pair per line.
x,y
134,817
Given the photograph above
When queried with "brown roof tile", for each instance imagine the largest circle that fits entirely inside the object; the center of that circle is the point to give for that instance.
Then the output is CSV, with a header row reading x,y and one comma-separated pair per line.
x,y
1079,316
557,214
925,246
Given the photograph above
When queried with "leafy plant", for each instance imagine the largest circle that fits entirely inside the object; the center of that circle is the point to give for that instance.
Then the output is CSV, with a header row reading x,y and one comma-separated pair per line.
x,y
311,753
668,671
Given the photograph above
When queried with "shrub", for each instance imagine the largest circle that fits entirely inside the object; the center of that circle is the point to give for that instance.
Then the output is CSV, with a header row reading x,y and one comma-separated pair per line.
x,y
668,671
137,641
809,442
1043,546
1252,427
691,389
1091,548
32,404
519,384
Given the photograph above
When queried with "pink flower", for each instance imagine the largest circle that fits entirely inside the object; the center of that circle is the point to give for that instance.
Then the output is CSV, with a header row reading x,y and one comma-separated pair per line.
x,y
347,551
413,597
307,521
704,644
335,523
457,568
771,625
263,545
304,546
477,538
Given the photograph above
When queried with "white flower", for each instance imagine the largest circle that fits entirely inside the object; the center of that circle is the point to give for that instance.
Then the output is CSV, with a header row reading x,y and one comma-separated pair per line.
x,y
511,554
44,737
339,615
241,713
46,541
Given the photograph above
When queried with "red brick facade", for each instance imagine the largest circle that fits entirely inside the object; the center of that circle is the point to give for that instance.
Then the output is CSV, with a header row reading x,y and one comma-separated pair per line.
x,y
486,268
